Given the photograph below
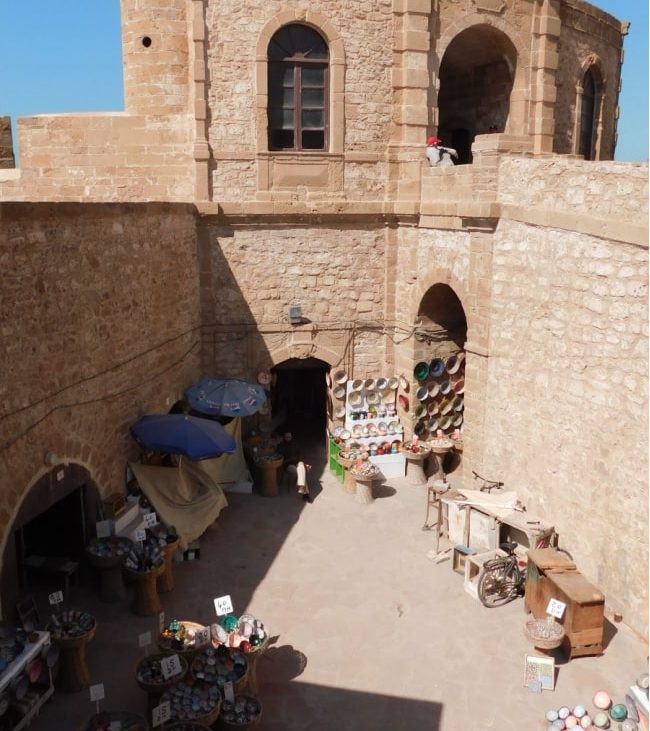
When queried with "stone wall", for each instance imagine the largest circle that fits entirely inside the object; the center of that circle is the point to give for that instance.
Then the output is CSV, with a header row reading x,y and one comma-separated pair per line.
x,y
6,144
103,157
567,397
100,324
589,38
251,274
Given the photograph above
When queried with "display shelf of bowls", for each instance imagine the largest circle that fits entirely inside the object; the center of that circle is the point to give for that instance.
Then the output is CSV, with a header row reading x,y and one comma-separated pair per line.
x,y
193,700
439,394
22,659
242,713
220,665
183,637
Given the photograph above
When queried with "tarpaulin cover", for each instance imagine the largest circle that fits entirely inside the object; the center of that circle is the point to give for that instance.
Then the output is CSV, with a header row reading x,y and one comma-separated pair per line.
x,y
190,496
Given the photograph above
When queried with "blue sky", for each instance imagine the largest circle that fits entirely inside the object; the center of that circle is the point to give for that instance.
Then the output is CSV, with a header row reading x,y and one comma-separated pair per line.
x,y
65,56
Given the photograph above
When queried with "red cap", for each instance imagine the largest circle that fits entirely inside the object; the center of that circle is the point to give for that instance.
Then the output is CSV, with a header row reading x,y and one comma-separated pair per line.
x,y
433,140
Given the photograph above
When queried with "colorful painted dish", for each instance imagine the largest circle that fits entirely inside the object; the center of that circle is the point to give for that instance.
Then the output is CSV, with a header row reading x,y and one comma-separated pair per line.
x,y
382,428
393,383
437,367
356,430
372,430
392,427
420,411
421,371
340,377
434,390
382,384
357,384
422,393
373,398
432,408
370,384
355,399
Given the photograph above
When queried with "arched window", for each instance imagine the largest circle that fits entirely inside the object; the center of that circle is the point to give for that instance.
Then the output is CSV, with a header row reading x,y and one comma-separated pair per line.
x,y
298,66
588,115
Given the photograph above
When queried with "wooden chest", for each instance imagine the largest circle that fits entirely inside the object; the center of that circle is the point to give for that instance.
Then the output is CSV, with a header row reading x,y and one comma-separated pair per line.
x,y
584,615
540,562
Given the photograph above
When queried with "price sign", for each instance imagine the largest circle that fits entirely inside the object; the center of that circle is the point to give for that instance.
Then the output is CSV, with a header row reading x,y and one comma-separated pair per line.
x,y
202,637
56,597
140,535
555,608
103,528
229,692
144,639
170,666
223,605
97,692
161,622
161,713
150,519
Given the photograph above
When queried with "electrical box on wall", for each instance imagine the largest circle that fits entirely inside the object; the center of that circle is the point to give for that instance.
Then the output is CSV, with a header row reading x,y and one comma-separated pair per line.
x,y
295,314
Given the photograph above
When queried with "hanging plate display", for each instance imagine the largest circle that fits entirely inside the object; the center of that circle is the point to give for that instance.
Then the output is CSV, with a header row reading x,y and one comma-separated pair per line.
x,y
421,371
437,367
339,392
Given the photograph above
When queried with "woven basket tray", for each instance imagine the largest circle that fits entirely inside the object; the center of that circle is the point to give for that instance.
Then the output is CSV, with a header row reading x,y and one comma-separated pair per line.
x,y
543,634
160,687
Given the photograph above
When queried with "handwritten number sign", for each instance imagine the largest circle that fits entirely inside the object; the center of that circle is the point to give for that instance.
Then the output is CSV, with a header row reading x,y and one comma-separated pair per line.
x,y
229,692
223,605
150,519
103,528
170,666
56,597
140,535
161,713
97,692
555,608
202,637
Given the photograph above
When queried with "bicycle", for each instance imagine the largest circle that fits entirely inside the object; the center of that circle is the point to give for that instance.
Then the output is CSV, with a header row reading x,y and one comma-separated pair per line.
x,y
487,485
501,579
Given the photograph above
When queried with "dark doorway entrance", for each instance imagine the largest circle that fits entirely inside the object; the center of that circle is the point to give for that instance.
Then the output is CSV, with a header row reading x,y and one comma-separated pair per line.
x,y
299,398
50,531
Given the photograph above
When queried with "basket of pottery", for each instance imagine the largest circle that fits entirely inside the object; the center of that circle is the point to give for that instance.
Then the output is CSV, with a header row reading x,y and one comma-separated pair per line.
x,y
241,714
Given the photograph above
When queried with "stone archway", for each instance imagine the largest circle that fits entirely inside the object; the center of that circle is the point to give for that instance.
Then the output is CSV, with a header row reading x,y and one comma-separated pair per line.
x,y
53,521
477,74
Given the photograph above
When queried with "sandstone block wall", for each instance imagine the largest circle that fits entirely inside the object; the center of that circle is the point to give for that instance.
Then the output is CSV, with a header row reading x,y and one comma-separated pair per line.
x,y
566,420
107,157
589,37
251,274
100,324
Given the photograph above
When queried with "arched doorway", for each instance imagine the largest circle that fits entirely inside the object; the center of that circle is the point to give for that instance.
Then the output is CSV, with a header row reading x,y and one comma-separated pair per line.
x,y
477,73
440,336
53,525
299,398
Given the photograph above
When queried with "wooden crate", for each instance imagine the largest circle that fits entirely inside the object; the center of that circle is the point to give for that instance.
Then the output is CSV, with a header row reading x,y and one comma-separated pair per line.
x,y
584,615
540,561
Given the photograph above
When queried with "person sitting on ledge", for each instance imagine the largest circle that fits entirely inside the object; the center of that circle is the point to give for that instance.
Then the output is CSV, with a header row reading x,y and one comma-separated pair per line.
x,y
438,155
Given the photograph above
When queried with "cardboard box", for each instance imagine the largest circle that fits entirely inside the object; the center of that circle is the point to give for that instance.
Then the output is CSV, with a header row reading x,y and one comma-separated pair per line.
x,y
473,567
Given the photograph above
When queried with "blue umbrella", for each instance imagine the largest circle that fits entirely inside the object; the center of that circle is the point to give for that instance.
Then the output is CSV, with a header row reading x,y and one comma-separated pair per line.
x,y
225,397
191,436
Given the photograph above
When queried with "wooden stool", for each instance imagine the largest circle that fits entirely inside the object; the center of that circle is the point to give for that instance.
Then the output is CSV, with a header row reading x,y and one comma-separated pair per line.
x,y
349,483
146,601
363,493
435,490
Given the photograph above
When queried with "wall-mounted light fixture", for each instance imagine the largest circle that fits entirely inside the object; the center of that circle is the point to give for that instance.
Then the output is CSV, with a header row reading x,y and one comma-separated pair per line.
x,y
51,459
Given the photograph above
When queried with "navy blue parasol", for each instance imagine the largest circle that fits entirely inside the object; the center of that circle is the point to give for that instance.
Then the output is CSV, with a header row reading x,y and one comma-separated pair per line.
x,y
226,397
191,436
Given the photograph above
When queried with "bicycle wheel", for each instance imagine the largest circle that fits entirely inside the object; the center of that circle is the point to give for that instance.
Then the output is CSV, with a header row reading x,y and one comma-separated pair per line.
x,y
497,584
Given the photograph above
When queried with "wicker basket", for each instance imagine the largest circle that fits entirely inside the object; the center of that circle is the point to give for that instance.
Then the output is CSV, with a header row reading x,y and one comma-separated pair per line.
x,y
544,634
189,649
206,720
225,725
159,687
238,685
